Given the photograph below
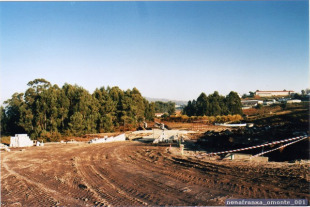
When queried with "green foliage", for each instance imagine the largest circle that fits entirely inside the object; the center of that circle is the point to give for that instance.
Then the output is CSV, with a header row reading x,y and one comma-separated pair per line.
x,y
3,120
165,115
234,103
252,94
149,110
204,119
12,115
165,107
50,136
46,111
214,105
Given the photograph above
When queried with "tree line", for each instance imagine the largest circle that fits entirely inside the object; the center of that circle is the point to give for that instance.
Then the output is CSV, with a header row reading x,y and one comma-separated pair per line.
x,y
48,111
165,107
214,105
204,119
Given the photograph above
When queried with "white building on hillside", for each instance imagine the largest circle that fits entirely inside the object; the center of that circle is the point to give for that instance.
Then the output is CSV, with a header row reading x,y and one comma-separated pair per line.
x,y
251,103
273,93
293,101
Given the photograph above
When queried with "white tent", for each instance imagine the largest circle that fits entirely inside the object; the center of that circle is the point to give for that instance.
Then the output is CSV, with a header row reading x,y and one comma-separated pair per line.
x,y
21,140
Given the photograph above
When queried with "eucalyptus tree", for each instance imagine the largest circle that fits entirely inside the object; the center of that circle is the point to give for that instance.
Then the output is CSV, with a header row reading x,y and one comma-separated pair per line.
x,y
13,114
106,110
214,105
202,104
234,103
46,110
137,105
149,110
3,120
215,108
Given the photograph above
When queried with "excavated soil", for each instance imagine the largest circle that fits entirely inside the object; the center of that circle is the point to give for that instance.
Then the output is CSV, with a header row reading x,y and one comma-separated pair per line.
x,y
137,174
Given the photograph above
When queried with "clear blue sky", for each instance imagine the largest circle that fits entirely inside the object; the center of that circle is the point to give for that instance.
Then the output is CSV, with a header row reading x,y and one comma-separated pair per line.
x,y
172,50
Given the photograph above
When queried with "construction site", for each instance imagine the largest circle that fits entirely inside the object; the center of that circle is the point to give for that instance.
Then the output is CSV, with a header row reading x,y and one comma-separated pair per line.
x,y
163,164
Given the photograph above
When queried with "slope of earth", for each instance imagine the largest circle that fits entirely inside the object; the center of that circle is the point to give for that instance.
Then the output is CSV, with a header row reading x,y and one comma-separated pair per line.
x,y
133,173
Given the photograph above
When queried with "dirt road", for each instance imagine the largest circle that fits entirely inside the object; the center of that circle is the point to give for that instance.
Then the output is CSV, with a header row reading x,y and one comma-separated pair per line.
x,y
133,173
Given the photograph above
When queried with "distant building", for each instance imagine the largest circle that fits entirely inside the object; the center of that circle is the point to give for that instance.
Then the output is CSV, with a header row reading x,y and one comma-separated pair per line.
x,y
269,102
273,93
250,103
293,101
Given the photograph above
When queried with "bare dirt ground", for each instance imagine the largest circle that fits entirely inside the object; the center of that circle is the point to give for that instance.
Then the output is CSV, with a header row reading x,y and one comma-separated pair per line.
x,y
137,174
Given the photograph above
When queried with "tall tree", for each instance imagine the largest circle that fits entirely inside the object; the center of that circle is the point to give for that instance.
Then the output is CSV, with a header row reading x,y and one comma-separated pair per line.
x,y
234,103
13,114
3,120
215,108
45,110
202,104
214,105
149,110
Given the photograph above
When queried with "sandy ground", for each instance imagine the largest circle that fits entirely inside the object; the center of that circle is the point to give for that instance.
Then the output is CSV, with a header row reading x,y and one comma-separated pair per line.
x,y
137,174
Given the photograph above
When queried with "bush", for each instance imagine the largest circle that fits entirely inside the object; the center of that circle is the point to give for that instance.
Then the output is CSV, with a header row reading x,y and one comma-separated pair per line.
x,y
50,136
6,140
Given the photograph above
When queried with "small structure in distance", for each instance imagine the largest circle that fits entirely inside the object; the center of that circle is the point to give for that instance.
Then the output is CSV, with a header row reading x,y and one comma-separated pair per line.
x,y
273,93
231,125
21,140
118,138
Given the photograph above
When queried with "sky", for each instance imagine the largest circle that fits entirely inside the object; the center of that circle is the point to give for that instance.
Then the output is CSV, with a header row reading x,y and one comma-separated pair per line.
x,y
173,50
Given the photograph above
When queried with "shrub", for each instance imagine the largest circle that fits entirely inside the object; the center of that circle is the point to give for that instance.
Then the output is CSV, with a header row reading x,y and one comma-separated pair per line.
x,y
5,140
50,136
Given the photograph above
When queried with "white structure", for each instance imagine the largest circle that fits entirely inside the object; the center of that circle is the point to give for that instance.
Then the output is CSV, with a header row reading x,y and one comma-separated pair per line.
x,y
40,144
118,138
293,101
230,125
273,93
250,103
157,133
161,138
21,140
169,136
270,102
158,115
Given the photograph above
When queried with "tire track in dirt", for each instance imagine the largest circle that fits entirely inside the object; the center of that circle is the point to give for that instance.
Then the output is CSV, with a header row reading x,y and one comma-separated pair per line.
x,y
122,188
244,179
183,174
150,179
104,189
231,174
131,173
142,188
97,193
44,191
